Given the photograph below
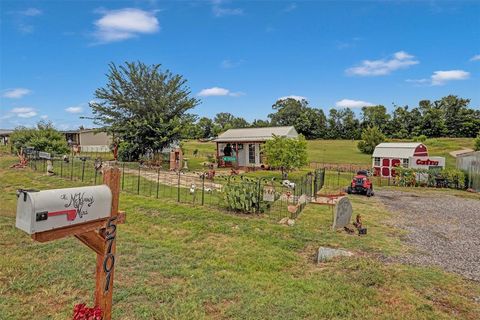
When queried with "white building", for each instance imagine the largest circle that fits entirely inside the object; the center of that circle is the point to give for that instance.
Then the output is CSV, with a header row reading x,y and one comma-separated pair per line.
x,y
387,156
243,147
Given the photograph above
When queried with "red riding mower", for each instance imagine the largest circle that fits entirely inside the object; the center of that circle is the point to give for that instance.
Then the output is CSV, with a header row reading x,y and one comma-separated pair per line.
x,y
361,184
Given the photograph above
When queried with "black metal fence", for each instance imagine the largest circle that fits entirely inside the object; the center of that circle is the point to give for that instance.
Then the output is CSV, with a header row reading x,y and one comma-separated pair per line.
x,y
272,197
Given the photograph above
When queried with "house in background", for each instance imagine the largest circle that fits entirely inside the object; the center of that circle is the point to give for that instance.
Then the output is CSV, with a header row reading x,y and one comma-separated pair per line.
x,y
243,147
5,136
88,140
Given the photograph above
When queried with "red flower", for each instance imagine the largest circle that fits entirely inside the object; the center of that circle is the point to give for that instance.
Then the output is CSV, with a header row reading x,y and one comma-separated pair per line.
x,y
82,312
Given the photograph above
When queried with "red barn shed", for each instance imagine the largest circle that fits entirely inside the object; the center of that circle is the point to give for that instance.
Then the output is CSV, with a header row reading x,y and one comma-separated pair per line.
x,y
387,156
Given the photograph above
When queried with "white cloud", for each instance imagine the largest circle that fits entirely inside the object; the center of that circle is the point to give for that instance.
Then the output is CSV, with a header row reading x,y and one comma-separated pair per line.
x,y
399,60
475,58
218,92
299,98
419,82
24,112
15,93
439,78
290,7
229,64
219,11
44,117
74,109
31,12
122,24
349,103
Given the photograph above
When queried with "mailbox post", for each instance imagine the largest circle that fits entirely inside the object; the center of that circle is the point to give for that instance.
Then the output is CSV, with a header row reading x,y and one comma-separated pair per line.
x,y
88,213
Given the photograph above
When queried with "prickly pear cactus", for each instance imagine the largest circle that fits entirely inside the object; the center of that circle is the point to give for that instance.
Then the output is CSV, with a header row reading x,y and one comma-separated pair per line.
x,y
244,197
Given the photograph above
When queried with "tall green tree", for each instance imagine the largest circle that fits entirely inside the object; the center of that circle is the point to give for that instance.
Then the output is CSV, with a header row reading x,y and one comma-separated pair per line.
x,y
259,123
349,124
310,122
226,120
460,121
206,127
376,116
433,120
143,105
287,111
44,137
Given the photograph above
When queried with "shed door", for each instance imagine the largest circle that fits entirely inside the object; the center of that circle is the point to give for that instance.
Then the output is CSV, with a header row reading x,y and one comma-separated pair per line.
x,y
385,172
251,153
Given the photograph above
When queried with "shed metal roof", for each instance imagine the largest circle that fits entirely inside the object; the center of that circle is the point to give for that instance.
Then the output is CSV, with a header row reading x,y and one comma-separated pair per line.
x,y
256,134
5,132
396,149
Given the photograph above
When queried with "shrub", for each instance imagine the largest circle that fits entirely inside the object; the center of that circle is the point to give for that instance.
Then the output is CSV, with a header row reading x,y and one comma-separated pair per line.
x,y
477,143
286,153
126,152
371,137
42,138
420,138
406,177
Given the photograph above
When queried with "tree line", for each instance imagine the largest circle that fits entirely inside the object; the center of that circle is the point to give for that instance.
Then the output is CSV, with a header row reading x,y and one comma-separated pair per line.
x,y
450,116
145,108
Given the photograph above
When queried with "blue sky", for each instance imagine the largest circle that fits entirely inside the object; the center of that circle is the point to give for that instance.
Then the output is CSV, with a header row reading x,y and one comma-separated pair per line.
x,y
238,56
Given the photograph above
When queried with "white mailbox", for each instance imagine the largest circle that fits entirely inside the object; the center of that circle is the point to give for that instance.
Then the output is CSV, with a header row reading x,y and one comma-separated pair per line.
x,y
39,211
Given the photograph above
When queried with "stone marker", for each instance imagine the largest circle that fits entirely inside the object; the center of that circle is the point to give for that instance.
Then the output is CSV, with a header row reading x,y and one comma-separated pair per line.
x,y
325,254
343,213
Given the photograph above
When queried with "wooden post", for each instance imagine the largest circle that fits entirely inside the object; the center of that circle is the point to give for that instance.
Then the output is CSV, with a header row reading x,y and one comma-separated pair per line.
x,y
106,262
236,150
99,235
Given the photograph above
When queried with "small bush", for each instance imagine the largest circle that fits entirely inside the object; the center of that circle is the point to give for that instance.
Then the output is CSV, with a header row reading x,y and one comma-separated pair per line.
x,y
371,137
421,138
477,143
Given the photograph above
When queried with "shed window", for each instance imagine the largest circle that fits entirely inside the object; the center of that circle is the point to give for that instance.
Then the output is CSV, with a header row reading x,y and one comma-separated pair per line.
x,y
405,163
376,162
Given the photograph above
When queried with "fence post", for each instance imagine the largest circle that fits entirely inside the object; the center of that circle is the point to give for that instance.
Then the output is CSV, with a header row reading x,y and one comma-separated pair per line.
x,y
96,171
138,180
178,187
203,188
61,168
83,169
258,198
158,180
123,174
71,170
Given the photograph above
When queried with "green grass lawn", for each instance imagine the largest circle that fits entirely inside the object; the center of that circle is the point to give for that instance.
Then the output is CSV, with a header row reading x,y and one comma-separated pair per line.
x,y
189,262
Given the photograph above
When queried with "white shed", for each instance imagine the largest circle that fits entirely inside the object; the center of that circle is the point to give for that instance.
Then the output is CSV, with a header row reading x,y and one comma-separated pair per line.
x,y
389,155
243,147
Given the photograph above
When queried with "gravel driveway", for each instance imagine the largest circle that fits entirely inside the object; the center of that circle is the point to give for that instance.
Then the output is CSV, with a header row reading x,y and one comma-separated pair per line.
x,y
444,229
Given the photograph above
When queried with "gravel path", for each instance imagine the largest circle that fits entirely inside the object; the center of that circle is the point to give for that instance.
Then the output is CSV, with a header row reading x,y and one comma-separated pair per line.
x,y
444,229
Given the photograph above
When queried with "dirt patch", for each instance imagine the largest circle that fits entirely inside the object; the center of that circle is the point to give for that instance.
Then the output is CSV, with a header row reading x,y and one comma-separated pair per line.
x,y
442,228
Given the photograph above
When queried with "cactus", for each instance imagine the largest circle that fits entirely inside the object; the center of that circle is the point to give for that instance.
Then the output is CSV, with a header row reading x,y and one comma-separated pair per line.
x,y
243,196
